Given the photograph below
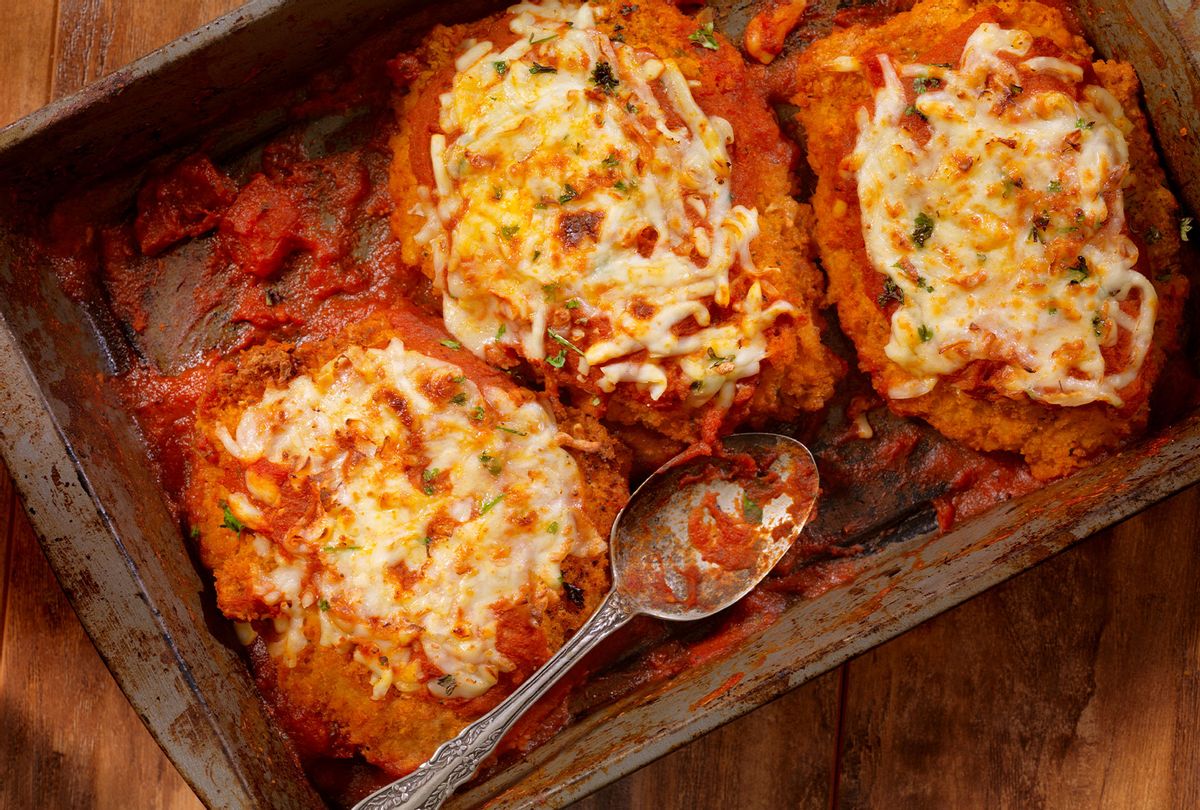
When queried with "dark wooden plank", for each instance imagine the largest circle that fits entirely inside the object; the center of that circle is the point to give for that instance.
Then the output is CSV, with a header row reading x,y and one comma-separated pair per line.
x,y
778,756
26,31
1073,685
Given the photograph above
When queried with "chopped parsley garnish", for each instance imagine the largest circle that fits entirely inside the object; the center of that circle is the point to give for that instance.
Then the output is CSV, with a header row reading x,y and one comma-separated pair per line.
x,y
751,511
459,399
535,69
451,344
500,67
550,291
461,378
1008,185
891,292
513,431
1034,234
922,84
563,341
718,359
533,41
568,194
509,231
427,477
604,78
922,284
323,604
491,463
231,522
426,540
1015,89
922,229
611,162
559,359
497,193
195,532
553,528
1054,187
1098,326
1185,227
924,333
500,332
343,548
623,187
595,400
704,37
912,110
631,108
478,413
1078,271
1081,124
981,257
488,504
448,684
572,304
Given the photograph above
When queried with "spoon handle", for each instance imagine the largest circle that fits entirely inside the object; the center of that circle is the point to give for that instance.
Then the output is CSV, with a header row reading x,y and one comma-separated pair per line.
x,y
456,760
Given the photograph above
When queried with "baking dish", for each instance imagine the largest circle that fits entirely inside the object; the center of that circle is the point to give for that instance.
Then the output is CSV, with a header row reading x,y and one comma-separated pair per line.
x,y
81,467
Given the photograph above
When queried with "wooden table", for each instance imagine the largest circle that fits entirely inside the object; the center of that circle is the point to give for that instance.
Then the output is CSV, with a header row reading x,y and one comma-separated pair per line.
x,y
1076,685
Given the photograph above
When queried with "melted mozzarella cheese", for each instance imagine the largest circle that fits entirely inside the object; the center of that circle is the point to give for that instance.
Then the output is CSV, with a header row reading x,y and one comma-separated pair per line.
x,y
431,516
1004,233
574,171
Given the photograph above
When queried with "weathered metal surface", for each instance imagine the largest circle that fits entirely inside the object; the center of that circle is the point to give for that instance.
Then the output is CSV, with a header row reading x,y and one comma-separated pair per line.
x,y
120,557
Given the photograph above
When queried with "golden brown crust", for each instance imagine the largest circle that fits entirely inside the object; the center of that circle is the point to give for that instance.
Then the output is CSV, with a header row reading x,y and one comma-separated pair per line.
x,y
1054,440
325,696
800,372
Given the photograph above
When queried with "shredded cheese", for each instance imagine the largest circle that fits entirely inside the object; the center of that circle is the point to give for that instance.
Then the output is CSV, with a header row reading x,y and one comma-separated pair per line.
x,y
570,167
394,556
1003,236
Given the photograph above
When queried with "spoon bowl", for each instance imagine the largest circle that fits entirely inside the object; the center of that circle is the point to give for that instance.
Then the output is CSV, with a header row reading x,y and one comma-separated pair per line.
x,y
702,531
695,537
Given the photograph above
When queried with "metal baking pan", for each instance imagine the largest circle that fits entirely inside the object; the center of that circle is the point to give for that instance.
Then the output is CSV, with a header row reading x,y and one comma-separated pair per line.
x,y
87,484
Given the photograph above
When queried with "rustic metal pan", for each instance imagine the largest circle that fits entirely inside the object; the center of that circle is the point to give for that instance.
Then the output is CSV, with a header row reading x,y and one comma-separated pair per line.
x,y
85,480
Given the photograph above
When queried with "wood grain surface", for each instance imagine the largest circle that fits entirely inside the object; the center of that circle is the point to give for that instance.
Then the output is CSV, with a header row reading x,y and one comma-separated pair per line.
x,y
1075,685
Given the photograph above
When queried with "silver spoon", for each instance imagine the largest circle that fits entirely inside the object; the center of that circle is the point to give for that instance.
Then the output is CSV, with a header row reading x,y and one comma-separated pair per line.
x,y
762,490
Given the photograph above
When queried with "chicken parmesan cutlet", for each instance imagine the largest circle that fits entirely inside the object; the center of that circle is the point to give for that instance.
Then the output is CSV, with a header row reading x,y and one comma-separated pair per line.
x,y
999,240
601,191
403,533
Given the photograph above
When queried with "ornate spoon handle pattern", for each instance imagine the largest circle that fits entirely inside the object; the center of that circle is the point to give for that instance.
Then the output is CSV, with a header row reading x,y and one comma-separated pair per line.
x,y
455,761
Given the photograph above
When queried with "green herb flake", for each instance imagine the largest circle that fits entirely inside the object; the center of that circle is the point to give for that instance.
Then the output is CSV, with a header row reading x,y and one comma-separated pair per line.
x,y
559,359
1098,326
891,292
1185,228
537,254
704,37
595,401
604,78
195,533
1015,89
572,304
922,284
448,684
501,68
924,333
487,505
1078,271
323,604
981,257
535,69
459,399
611,162
568,194
564,342
752,512
451,344
513,431
343,548
491,463
230,520
478,413
547,38
912,110
500,332
509,231
1053,310
1054,187
497,193
553,528
717,359
1081,124
922,230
